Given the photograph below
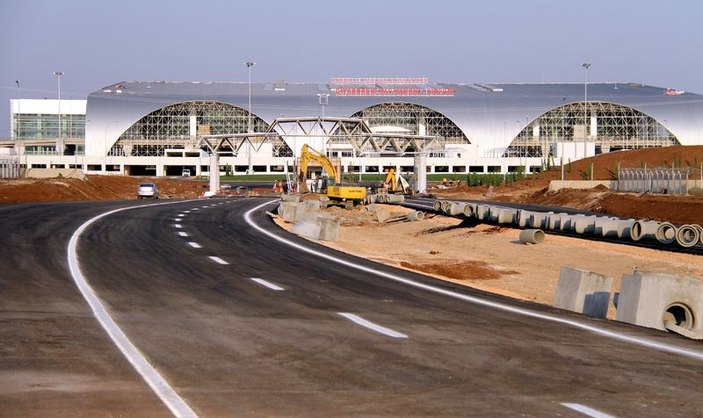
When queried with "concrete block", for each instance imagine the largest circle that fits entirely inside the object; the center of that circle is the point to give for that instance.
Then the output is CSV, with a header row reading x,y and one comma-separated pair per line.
x,y
293,212
313,205
583,291
307,229
290,198
329,227
382,215
649,299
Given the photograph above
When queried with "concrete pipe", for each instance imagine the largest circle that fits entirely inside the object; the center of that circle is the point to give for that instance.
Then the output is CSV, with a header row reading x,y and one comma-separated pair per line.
x,y
566,222
600,221
585,224
446,205
531,236
483,212
539,219
469,210
415,215
524,219
395,198
687,236
610,228
507,215
666,233
493,212
437,205
644,230
554,221
623,229
457,208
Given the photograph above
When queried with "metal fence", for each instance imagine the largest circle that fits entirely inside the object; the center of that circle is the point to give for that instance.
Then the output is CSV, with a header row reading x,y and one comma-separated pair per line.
x,y
9,167
655,180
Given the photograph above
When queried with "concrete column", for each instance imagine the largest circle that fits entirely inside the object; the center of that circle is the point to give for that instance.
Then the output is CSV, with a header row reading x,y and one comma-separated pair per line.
x,y
420,173
214,173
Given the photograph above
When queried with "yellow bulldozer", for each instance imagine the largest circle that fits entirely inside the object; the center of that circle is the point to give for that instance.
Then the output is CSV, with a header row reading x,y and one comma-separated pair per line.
x,y
329,182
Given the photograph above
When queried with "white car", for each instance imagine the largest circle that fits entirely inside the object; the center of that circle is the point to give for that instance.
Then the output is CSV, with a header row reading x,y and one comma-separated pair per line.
x,y
185,172
146,190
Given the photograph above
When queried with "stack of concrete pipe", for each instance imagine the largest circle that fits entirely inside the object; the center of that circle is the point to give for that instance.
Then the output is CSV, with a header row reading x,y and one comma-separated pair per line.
x,y
637,230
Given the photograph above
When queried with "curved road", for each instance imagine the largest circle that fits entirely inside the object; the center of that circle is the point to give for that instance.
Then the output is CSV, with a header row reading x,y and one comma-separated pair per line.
x,y
241,324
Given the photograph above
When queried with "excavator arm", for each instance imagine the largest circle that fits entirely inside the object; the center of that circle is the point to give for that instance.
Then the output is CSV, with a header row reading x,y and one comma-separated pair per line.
x,y
308,154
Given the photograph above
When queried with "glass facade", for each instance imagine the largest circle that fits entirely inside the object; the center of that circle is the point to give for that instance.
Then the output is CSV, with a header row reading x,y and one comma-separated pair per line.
x,y
42,126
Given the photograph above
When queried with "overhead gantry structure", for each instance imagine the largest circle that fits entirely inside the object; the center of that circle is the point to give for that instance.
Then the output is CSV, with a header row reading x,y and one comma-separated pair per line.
x,y
354,131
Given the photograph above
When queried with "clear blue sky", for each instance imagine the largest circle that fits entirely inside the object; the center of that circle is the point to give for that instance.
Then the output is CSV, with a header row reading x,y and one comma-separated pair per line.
x,y
97,43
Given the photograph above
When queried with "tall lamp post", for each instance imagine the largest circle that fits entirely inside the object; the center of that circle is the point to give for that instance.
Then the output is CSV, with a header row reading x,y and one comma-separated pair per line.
x,y
323,99
585,66
58,75
19,114
249,64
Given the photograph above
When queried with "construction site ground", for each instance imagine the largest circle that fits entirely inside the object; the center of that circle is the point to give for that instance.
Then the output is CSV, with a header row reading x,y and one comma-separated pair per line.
x,y
485,257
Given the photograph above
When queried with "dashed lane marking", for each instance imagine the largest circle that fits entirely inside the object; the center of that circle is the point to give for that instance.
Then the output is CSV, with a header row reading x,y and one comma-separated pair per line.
x,y
183,234
267,284
585,410
151,376
177,226
218,260
642,342
195,245
372,326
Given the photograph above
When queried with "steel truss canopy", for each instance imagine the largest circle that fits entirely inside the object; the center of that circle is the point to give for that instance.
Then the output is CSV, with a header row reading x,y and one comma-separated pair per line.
x,y
354,131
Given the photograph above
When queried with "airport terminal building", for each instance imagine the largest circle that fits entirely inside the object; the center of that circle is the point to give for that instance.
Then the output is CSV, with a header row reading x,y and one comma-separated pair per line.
x,y
370,124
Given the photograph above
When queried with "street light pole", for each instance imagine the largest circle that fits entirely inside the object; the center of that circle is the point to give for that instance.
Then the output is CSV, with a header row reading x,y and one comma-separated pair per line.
x,y
249,64
585,66
58,75
323,99
19,114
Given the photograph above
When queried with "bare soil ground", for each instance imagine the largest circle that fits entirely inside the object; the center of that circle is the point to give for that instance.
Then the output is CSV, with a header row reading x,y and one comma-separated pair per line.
x,y
484,257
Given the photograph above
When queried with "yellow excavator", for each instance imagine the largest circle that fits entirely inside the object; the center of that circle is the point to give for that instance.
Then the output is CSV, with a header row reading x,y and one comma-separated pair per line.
x,y
329,183
397,184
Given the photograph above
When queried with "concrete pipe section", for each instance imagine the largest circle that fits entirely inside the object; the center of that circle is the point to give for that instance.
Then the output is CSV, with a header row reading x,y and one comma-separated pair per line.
x,y
666,233
585,224
437,205
457,208
687,236
624,226
642,230
507,215
524,219
532,236
446,205
415,215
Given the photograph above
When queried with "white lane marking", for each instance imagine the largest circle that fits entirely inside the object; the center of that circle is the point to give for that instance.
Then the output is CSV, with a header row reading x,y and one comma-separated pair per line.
x,y
698,355
194,209
151,376
267,284
373,327
180,215
205,207
194,245
186,211
177,220
183,234
178,226
587,411
218,260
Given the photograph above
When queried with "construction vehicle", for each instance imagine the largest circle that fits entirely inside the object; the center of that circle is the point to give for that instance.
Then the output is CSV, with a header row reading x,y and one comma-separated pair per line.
x,y
396,184
329,182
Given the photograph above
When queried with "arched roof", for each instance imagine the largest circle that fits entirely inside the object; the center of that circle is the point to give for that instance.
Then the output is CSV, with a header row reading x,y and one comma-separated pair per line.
x,y
487,113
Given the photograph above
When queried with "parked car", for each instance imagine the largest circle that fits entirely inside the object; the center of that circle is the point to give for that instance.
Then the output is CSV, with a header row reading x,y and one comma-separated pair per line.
x,y
185,172
146,190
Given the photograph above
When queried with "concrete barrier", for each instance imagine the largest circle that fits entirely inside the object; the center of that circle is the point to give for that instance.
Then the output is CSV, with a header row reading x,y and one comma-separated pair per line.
x,y
329,227
583,291
293,212
649,299
307,229
290,198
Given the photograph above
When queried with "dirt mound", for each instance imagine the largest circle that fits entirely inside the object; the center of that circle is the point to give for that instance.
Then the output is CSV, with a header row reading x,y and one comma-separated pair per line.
x,y
93,188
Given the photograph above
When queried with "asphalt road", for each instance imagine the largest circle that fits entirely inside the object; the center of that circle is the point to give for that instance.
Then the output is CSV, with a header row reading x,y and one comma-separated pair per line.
x,y
178,280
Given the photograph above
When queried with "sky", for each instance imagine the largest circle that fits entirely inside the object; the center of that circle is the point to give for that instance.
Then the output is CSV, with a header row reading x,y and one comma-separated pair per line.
x,y
99,43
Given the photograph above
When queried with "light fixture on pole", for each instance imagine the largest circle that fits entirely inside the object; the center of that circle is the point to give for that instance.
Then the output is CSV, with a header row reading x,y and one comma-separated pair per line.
x,y
17,118
249,64
585,66
58,75
323,99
